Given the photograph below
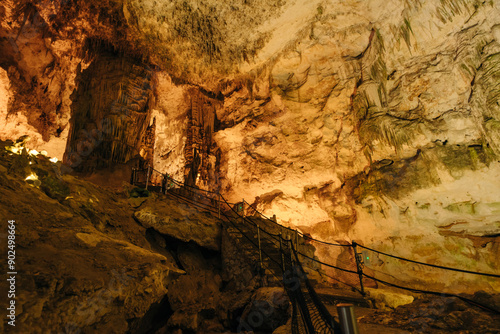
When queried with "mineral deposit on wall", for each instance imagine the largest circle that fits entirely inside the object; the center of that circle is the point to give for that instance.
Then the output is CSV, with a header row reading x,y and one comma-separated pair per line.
x,y
374,121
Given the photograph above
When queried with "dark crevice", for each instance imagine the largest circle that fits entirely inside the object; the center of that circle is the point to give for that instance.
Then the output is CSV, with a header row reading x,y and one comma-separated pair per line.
x,y
154,319
209,94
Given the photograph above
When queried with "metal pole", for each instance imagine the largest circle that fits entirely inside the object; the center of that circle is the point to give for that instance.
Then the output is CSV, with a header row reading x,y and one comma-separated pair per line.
x,y
243,211
260,249
218,193
348,324
147,179
281,252
291,249
359,265
297,240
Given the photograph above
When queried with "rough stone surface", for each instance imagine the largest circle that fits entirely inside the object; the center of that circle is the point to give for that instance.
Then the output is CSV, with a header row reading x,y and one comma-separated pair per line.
x,y
385,299
238,268
196,297
372,126
182,222
201,300
268,310
110,113
374,121
83,263
86,265
437,315
285,329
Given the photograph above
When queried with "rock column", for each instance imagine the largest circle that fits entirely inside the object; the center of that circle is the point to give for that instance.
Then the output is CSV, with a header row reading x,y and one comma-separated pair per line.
x,y
111,112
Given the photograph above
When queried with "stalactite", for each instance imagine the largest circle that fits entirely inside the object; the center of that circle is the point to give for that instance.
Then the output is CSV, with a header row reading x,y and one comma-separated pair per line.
x,y
200,150
116,91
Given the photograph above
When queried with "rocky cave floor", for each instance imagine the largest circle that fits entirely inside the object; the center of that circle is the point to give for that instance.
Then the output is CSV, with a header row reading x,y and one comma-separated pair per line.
x,y
88,262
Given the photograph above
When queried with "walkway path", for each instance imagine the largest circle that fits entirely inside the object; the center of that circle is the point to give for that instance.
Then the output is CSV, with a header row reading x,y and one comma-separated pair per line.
x,y
286,257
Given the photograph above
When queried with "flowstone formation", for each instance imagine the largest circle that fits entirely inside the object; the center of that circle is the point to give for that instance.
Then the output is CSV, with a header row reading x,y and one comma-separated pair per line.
x,y
82,261
376,124
111,112
373,121
93,259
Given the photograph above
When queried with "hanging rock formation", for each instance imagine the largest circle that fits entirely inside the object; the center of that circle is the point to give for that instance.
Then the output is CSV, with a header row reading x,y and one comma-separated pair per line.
x,y
111,112
201,152
374,121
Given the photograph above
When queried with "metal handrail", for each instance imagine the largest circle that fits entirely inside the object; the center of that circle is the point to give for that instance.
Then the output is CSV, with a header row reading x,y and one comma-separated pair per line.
x,y
288,264
295,250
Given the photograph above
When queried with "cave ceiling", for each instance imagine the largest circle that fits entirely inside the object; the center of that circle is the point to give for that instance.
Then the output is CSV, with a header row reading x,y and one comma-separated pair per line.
x,y
348,119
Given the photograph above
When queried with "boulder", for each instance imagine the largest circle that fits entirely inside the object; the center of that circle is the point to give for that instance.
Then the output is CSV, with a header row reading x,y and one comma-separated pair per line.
x,y
385,299
268,310
181,222
83,264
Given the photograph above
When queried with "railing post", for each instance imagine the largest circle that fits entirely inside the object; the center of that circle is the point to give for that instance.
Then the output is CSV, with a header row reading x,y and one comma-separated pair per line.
x,y
243,211
359,266
297,240
147,178
290,242
348,324
260,249
281,253
218,194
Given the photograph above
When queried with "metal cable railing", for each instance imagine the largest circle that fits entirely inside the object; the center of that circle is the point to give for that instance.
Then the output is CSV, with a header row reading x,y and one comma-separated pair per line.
x,y
215,203
314,317
431,265
255,211
309,312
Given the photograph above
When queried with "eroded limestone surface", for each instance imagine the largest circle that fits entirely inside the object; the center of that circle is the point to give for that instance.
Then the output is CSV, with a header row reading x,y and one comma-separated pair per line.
x,y
81,259
181,222
374,121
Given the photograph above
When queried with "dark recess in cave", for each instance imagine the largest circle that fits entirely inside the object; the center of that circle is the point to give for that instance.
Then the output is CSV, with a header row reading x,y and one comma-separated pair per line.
x,y
111,113
154,319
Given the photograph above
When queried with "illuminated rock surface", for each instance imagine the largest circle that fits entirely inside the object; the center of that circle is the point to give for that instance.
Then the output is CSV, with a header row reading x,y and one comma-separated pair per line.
x,y
85,264
80,256
373,121
111,112
181,223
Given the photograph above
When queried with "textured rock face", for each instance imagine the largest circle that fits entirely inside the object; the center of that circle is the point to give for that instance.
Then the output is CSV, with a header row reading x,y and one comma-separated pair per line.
x,y
436,315
182,223
36,84
368,120
171,112
376,124
111,112
268,310
83,263
195,298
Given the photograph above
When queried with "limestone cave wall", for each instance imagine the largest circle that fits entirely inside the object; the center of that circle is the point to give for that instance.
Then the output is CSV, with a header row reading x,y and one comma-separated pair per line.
x,y
374,121
186,122
201,151
376,124
111,113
